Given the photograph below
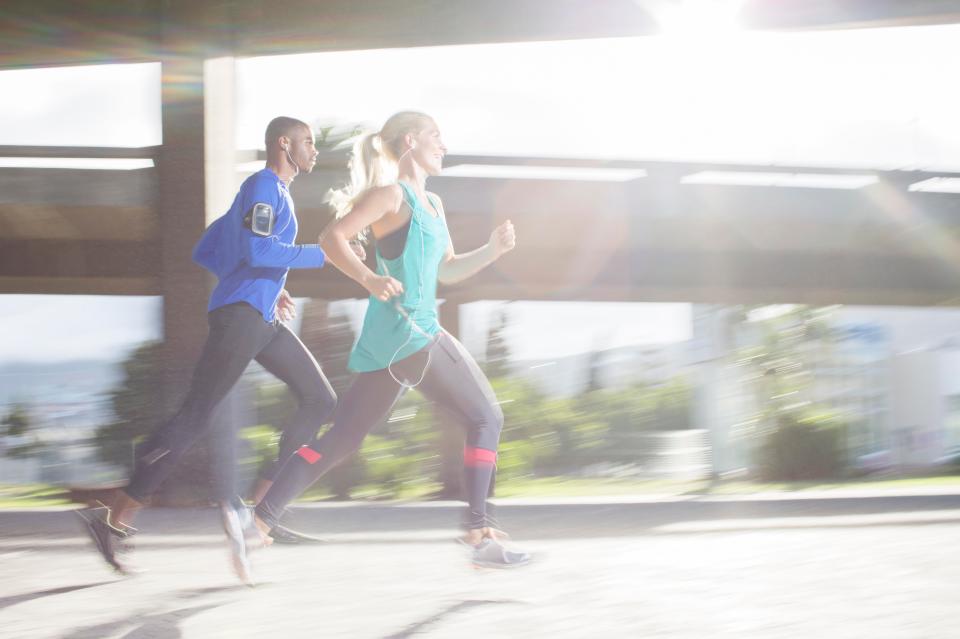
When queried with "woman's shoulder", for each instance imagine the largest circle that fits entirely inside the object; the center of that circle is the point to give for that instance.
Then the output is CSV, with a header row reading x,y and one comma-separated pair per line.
x,y
386,197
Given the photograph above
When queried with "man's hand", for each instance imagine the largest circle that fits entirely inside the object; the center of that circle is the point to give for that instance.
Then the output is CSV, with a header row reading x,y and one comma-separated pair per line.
x,y
286,309
503,239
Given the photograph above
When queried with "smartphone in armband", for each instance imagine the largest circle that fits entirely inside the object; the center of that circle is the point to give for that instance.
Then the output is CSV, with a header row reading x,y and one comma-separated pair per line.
x,y
260,219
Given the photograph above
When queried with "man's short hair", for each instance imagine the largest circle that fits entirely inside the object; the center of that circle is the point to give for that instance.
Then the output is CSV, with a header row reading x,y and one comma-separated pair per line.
x,y
282,126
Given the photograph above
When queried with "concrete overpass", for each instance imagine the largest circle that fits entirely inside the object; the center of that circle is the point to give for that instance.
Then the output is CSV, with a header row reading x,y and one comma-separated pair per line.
x,y
649,239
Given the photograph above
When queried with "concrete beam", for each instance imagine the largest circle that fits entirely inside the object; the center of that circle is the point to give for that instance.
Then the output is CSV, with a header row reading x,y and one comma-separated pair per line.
x,y
69,32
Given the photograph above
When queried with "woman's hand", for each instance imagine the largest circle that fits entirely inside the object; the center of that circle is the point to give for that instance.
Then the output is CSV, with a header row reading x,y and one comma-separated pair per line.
x,y
383,287
503,239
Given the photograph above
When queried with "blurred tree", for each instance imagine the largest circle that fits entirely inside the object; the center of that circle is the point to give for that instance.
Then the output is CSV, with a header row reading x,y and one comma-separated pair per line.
x,y
137,406
330,338
497,361
797,438
18,426
332,135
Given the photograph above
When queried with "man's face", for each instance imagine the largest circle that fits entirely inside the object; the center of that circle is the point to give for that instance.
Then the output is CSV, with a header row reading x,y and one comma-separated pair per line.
x,y
302,149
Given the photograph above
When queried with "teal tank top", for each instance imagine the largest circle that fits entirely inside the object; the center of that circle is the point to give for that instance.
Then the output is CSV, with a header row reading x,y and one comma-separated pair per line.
x,y
386,335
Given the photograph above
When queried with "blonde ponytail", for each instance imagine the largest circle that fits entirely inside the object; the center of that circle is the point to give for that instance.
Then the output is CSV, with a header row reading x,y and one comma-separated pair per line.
x,y
373,161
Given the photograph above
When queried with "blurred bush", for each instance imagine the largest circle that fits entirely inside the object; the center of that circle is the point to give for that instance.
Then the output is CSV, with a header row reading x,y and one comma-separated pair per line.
x,y
803,449
137,406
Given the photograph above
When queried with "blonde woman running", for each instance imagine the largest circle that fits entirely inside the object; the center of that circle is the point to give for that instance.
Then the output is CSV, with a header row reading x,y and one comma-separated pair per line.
x,y
402,344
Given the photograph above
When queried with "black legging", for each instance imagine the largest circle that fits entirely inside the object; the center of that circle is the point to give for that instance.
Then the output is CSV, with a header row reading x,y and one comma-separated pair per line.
x,y
238,335
452,380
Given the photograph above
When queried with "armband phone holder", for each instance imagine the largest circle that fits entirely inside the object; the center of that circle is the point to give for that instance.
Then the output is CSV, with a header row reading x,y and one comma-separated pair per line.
x,y
260,219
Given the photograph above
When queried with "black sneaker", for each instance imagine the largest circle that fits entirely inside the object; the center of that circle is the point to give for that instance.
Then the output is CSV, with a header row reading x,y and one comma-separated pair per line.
x,y
490,553
108,539
283,535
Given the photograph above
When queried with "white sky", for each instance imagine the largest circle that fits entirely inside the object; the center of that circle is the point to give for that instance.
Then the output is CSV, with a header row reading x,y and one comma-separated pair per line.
x,y
53,328
884,98
116,105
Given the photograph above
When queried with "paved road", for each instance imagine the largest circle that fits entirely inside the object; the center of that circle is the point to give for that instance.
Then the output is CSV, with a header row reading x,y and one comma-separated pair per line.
x,y
772,567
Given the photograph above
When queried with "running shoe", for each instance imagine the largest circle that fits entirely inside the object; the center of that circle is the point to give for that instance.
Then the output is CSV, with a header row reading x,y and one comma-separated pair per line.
x,y
283,535
490,553
107,538
236,519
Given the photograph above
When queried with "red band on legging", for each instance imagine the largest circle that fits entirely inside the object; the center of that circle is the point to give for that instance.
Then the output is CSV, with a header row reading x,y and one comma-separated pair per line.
x,y
478,456
309,454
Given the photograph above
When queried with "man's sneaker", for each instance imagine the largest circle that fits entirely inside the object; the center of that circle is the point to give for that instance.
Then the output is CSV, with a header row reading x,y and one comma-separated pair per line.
x,y
489,553
283,535
235,520
107,538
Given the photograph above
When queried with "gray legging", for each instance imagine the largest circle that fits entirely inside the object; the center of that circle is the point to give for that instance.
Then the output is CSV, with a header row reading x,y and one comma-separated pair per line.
x,y
238,335
452,379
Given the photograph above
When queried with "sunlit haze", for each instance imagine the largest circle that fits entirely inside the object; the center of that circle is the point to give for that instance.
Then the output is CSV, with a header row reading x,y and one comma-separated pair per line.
x,y
878,98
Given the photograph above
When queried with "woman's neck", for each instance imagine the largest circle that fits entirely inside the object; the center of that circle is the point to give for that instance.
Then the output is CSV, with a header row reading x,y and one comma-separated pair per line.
x,y
412,173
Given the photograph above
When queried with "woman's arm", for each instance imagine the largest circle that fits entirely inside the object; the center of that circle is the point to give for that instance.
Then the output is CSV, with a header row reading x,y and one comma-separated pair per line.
x,y
335,240
456,268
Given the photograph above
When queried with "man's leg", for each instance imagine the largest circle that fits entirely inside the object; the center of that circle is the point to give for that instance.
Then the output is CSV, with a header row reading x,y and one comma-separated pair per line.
x,y
289,360
237,334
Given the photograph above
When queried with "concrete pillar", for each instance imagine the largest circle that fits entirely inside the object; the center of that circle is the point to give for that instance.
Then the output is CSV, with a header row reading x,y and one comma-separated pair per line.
x,y
189,84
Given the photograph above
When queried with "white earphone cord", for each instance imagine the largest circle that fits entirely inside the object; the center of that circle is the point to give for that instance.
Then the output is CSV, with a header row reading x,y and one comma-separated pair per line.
x,y
290,158
403,312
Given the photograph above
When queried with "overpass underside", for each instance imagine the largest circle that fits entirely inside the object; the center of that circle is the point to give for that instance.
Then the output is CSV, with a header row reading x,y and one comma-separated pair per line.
x,y
650,238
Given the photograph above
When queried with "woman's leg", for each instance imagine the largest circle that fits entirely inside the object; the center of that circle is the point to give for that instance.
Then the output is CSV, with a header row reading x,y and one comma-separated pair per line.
x,y
366,403
288,359
455,382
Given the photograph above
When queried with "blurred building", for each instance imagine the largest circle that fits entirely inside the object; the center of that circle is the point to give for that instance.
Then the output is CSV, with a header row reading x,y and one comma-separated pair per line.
x,y
891,374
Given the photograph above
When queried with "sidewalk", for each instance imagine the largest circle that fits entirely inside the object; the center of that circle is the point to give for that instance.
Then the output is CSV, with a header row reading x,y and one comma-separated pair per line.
x,y
528,518
765,567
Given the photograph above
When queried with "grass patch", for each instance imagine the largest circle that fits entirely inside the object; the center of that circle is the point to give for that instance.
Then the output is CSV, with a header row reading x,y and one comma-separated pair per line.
x,y
595,487
31,495
592,487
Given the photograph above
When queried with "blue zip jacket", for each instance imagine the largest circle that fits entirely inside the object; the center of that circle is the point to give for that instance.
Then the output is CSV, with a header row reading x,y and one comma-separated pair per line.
x,y
251,268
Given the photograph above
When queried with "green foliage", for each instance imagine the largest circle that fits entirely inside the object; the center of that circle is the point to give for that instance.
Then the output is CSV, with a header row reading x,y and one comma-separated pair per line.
x,y
802,449
18,426
137,405
496,363
561,435
262,441
403,451
798,440
542,435
330,135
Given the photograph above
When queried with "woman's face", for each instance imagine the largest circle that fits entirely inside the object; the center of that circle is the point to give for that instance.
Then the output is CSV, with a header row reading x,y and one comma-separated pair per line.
x,y
429,149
